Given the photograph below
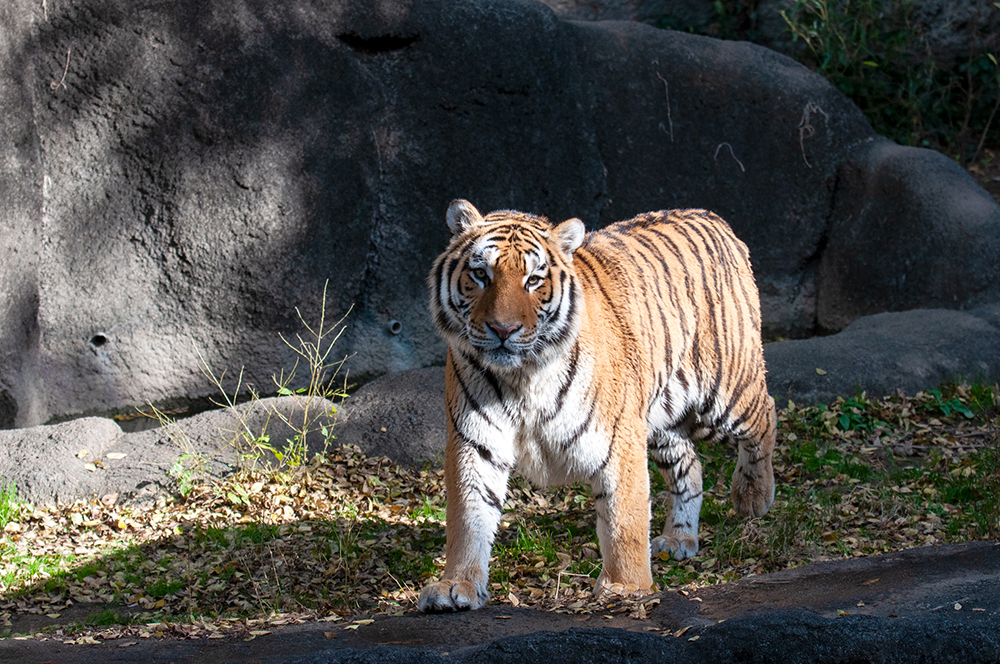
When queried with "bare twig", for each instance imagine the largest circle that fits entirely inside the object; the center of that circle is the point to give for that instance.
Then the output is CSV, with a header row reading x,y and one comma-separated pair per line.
x,y
806,130
666,86
730,152
62,81
986,129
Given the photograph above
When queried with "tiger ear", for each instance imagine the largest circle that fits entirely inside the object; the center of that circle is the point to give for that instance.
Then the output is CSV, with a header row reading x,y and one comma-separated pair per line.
x,y
462,215
569,235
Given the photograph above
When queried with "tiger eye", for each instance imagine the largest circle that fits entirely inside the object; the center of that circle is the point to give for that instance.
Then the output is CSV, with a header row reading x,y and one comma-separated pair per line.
x,y
479,273
534,280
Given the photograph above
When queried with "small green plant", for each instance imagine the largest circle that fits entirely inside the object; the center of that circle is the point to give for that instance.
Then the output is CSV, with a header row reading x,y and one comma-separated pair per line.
x,y
9,504
314,413
875,53
934,402
107,617
855,415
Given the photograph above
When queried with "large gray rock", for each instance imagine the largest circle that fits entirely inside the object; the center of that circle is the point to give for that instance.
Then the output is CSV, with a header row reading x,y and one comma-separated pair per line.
x,y
182,178
57,463
901,219
92,459
400,415
908,351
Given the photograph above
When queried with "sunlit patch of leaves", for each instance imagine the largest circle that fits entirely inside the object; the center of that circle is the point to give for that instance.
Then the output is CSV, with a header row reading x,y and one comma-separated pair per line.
x,y
345,537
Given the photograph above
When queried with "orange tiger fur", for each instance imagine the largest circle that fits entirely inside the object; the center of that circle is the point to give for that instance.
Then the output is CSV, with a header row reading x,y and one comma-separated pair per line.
x,y
570,353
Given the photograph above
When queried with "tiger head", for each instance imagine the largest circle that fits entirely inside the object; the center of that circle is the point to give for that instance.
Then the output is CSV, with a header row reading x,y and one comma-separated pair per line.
x,y
504,291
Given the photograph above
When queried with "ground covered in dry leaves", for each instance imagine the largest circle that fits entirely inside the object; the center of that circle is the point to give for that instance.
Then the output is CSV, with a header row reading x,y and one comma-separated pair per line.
x,y
346,538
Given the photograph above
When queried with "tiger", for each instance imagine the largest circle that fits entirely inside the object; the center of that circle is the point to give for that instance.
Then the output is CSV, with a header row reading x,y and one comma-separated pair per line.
x,y
571,355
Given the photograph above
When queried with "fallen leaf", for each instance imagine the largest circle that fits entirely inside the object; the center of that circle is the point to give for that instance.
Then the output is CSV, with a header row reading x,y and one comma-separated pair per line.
x,y
114,456
82,453
89,466
820,371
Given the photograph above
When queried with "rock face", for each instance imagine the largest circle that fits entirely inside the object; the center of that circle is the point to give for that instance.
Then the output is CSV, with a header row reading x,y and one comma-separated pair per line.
x,y
400,415
180,179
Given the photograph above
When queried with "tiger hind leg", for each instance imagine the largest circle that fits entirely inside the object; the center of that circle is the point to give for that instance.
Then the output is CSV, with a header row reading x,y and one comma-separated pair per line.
x,y
677,460
753,480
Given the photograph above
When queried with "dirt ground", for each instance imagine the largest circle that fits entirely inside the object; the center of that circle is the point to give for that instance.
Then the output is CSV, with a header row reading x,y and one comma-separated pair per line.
x,y
951,591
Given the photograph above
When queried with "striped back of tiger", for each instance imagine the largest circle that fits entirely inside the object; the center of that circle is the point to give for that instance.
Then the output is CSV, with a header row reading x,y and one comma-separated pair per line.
x,y
683,296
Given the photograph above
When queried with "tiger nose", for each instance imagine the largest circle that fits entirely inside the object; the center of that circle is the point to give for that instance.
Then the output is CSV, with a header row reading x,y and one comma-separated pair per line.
x,y
503,332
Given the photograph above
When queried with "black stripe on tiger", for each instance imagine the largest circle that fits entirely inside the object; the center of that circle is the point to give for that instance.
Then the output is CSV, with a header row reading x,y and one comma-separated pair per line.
x,y
472,401
572,439
574,359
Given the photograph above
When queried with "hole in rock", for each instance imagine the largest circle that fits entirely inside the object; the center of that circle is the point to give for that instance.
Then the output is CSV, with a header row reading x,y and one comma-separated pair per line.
x,y
378,44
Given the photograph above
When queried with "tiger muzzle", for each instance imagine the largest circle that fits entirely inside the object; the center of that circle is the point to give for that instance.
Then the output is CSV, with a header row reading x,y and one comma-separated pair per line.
x,y
502,331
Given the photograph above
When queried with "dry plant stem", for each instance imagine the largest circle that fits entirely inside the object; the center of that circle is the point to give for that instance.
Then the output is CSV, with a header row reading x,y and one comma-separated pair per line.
x,y
666,86
62,81
986,129
806,130
730,152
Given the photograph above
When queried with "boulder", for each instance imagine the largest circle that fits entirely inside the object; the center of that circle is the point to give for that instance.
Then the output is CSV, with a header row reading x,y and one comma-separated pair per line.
x,y
183,179
400,415
901,218
92,459
906,351
58,463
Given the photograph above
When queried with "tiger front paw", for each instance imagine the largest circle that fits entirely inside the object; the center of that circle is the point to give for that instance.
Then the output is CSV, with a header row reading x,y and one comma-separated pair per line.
x,y
677,543
605,587
452,595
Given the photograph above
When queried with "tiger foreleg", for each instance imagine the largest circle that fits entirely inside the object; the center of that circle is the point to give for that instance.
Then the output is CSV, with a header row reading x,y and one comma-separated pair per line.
x,y
678,463
476,486
621,498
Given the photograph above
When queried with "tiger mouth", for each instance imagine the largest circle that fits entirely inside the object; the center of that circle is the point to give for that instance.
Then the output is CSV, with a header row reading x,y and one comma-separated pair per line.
x,y
504,355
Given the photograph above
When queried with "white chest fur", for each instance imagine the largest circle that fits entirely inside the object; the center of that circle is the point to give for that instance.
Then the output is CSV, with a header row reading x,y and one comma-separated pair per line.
x,y
551,426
